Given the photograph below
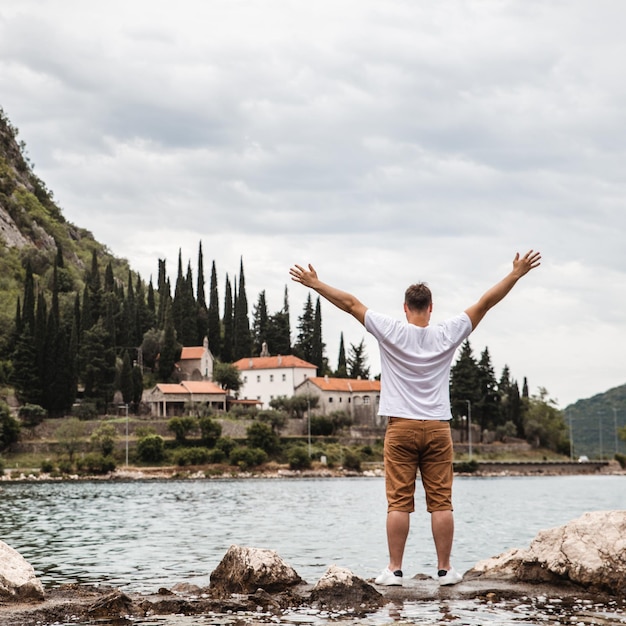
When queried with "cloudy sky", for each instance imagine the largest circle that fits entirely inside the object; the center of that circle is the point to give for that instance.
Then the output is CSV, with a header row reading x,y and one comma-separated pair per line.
x,y
384,142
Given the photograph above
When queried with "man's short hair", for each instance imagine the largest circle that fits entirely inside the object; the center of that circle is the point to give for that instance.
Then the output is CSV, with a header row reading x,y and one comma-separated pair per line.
x,y
418,297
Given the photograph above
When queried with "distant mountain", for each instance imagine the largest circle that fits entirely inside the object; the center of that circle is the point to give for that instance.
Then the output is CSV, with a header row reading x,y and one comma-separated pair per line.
x,y
595,421
32,228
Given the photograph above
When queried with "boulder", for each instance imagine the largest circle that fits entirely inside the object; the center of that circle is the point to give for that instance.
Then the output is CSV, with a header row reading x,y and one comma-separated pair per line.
x,y
244,570
589,551
113,605
340,589
17,576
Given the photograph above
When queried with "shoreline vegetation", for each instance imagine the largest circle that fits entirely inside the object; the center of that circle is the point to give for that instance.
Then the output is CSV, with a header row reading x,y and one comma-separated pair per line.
x,y
120,447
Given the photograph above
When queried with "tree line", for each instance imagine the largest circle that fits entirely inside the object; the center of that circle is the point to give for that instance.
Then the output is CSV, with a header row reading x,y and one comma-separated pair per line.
x,y
127,335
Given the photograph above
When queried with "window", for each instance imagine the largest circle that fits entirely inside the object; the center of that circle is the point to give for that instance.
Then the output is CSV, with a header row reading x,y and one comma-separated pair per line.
x,y
330,400
284,377
258,378
245,379
271,378
366,399
340,400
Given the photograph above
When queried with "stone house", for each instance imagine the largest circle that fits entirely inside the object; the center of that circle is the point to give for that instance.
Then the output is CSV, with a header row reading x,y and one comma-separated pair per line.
x,y
357,397
169,399
196,362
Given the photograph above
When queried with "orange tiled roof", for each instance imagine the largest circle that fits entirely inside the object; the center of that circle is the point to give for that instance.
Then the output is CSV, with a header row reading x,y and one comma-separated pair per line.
x,y
354,385
272,362
192,353
191,386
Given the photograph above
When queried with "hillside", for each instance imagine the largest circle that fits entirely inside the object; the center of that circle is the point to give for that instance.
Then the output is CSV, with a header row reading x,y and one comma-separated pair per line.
x,y
33,229
595,422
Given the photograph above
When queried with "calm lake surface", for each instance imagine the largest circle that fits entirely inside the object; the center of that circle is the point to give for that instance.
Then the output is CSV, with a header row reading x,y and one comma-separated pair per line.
x,y
143,535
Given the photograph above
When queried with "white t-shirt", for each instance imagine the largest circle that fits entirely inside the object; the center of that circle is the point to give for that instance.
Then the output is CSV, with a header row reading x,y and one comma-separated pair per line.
x,y
415,364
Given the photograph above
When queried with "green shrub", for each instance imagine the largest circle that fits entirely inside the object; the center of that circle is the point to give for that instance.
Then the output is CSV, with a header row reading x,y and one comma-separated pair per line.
x,y
192,456
150,449
621,459
211,431
85,411
182,426
299,458
47,466
217,456
321,426
32,414
226,445
261,435
66,466
246,458
352,461
9,427
94,463
466,467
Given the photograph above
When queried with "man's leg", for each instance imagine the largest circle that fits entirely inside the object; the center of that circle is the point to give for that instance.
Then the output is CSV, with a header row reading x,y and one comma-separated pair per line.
x,y
442,523
398,523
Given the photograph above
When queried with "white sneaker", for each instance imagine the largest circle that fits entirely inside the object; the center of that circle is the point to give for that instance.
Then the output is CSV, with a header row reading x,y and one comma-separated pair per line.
x,y
389,578
450,577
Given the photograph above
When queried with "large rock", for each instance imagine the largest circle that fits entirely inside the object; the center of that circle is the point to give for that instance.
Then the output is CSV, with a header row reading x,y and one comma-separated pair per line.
x,y
589,551
17,576
340,589
244,570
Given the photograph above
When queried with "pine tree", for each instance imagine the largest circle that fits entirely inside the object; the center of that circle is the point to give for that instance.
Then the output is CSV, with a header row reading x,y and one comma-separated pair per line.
x,y
487,410
214,329
260,323
342,364
464,381
357,362
279,330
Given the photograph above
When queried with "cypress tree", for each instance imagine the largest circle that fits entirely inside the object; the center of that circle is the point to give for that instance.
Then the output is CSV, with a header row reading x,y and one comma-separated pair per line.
x,y
203,313
170,349
164,292
242,335
342,364
317,345
227,322
306,329
126,379
213,322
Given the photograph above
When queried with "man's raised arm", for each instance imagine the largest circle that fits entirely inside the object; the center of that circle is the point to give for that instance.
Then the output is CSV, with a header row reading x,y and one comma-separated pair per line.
x,y
341,299
521,267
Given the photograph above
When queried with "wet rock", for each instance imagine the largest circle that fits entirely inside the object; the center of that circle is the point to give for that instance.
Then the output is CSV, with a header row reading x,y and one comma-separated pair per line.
x,y
115,604
589,551
244,570
17,576
340,589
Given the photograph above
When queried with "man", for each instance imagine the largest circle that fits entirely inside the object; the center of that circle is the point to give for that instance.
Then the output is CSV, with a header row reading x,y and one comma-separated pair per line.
x,y
415,397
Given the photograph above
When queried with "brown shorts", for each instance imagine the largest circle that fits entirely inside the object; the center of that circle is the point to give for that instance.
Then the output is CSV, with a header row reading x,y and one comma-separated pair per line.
x,y
424,445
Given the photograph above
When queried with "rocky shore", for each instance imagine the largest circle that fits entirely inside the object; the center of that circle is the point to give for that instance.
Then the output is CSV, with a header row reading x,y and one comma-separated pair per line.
x,y
574,573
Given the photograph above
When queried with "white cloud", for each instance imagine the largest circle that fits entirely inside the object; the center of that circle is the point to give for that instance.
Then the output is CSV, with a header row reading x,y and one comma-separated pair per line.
x,y
383,142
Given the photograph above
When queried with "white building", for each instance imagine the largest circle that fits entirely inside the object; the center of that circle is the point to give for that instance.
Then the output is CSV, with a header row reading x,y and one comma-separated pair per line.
x,y
268,377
